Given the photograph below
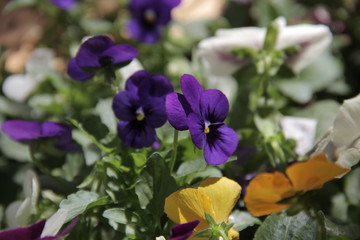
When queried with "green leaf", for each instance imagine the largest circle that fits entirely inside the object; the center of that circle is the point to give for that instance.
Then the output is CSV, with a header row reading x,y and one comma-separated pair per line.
x,y
243,219
120,215
352,186
78,202
155,185
351,231
280,226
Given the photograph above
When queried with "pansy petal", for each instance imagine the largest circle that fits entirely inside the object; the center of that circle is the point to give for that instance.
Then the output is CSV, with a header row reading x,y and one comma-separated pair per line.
x,y
137,80
265,190
74,71
220,144
164,10
136,134
192,90
142,33
214,105
125,105
183,231
19,130
196,127
160,86
24,233
312,174
91,49
177,109
64,4
154,109
188,205
224,194
347,123
120,53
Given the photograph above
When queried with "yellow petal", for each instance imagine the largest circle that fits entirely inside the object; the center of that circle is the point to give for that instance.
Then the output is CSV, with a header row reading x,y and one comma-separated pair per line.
x,y
233,234
265,190
188,205
313,173
223,193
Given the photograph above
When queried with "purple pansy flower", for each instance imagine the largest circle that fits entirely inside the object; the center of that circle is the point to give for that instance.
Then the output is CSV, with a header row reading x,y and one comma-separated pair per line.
x,y
141,108
149,16
99,53
23,131
64,4
203,112
183,231
34,232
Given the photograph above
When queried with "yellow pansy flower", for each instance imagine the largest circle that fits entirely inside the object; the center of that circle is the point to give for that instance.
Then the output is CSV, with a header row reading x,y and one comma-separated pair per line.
x,y
267,189
215,196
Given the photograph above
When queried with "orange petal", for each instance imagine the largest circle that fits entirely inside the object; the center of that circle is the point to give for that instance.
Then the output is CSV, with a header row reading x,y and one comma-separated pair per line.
x,y
188,205
223,193
313,173
265,190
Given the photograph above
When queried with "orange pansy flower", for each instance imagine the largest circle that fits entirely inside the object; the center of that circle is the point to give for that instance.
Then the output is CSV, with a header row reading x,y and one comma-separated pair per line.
x,y
267,189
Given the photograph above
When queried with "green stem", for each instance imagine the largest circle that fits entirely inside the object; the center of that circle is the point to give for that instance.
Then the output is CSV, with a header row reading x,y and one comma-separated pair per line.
x,y
224,235
321,231
174,152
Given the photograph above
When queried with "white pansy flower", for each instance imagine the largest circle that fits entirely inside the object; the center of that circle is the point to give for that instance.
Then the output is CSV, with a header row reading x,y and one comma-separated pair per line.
x,y
18,213
215,53
346,133
129,70
18,87
160,238
302,130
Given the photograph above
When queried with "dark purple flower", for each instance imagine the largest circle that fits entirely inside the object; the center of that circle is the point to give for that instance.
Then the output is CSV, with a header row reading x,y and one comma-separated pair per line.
x,y
149,16
141,108
33,232
203,112
64,4
183,231
23,131
99,53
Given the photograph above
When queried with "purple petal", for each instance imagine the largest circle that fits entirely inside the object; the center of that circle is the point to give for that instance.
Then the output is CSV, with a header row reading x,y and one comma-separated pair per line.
x,y
31,232
125,105
154,109
191,90
160,86
139,83
183,231
75,72
62,132
143,33
120,53
214,105
19,130
164,10
91,50
220,144
177,109
64,4
136,134
196,126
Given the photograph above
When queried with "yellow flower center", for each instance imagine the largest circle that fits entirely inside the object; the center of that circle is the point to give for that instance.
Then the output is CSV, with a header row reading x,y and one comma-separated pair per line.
x,y
150,16
207,130
140,117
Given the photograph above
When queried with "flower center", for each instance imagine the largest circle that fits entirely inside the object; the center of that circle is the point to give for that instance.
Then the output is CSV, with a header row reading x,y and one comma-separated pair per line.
x,y
150,16
140,114
207,127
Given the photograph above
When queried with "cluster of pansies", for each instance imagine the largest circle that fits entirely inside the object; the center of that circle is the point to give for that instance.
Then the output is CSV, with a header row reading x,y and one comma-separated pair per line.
x,y
129,177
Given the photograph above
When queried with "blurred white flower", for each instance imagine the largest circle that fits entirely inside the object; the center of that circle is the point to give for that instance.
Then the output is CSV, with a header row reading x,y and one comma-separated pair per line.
x,y
160,238
198,10
215,53
302,130
18,212
18,87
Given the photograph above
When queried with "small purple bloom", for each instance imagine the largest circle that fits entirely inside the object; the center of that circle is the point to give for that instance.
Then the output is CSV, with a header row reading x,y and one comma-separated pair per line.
x,y
183,231
141,108
149,16
64,4
203,112
23,131
33,232
99,53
